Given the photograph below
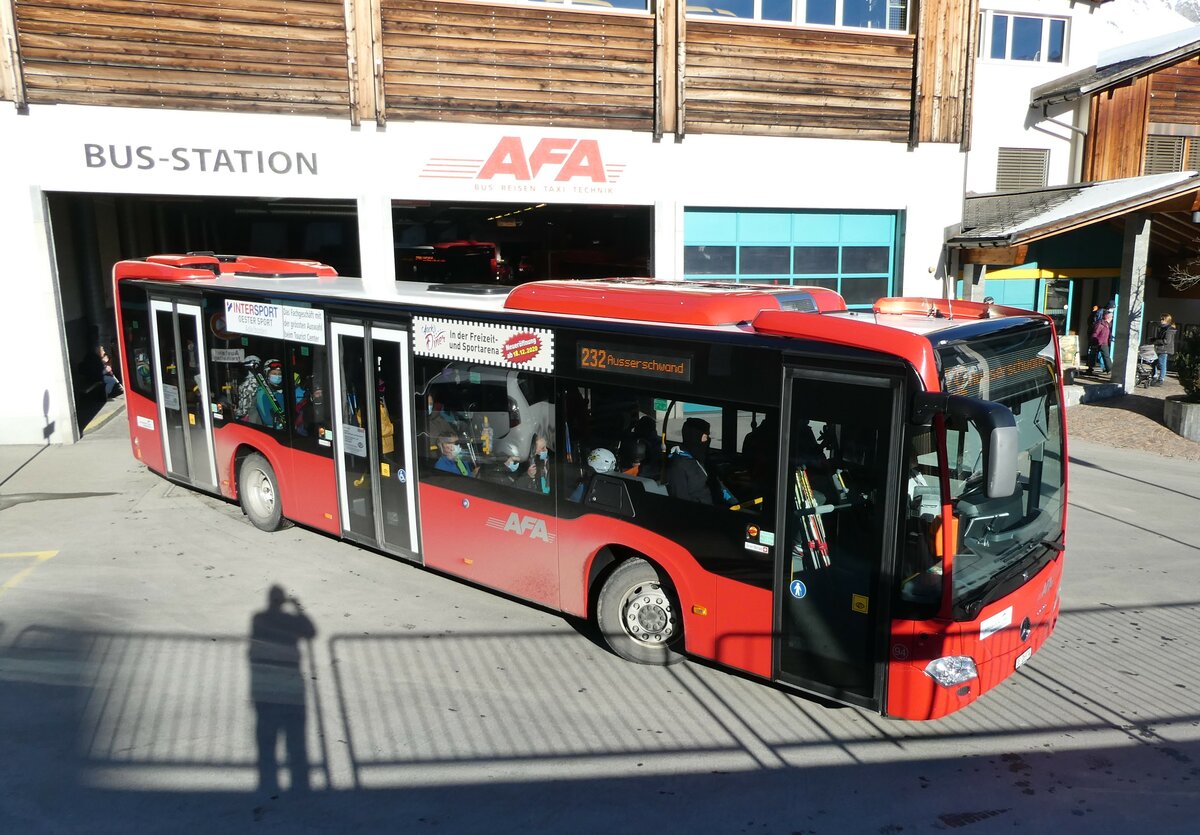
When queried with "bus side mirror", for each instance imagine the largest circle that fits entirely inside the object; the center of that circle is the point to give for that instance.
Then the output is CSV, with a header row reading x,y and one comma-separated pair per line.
x,y
997,429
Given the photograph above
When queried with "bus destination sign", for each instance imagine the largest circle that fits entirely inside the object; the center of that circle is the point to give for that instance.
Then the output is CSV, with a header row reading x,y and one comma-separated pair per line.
x,y
661,365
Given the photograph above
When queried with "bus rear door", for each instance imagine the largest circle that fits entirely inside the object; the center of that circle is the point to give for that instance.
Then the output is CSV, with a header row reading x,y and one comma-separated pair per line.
x,y
372,388
838,481
182,381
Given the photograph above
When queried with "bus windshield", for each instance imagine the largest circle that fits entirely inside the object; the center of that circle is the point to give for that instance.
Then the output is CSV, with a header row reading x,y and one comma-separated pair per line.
x,y
1007,538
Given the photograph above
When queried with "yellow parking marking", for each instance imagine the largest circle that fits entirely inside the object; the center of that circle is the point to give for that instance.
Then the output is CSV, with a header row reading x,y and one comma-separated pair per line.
x,y
39,556
100,420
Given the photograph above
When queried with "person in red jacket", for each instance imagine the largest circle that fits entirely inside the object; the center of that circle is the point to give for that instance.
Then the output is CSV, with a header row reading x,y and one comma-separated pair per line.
x,y
1102,336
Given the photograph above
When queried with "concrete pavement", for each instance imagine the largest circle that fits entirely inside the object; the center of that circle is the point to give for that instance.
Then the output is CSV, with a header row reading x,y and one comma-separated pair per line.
x,y
433,706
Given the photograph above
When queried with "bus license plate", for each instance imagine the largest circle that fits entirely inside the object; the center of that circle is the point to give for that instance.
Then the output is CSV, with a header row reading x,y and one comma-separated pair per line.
x,y
1022,658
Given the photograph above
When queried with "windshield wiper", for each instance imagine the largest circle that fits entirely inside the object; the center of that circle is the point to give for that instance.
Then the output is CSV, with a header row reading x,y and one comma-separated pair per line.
x,y
971,605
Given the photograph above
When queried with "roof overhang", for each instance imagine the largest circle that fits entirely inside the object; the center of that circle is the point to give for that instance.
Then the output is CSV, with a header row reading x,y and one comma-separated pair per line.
x,y
1014,219
1118,66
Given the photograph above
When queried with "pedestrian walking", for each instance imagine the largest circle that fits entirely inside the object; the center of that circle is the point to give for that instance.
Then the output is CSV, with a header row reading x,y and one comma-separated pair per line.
x,y
1102,337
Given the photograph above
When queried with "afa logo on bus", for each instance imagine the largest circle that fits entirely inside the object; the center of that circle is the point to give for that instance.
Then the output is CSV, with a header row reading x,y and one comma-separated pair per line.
x,y
530,526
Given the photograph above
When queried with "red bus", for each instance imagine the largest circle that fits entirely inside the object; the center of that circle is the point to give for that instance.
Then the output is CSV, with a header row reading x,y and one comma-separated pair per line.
x,y
864,505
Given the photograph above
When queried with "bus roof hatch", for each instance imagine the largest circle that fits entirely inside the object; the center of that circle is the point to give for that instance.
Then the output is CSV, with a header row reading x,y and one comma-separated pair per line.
x,y
195,265
671,302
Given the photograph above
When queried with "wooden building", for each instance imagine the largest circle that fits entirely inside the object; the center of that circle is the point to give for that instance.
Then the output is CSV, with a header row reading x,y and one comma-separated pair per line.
x,y
664,68
779,142
1112,237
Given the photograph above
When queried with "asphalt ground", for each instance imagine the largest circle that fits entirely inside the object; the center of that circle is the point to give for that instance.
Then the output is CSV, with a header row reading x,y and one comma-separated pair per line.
x,y
429,705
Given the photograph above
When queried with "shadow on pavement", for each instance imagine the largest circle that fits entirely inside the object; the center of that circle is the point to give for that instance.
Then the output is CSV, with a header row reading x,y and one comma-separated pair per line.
x,y
418,731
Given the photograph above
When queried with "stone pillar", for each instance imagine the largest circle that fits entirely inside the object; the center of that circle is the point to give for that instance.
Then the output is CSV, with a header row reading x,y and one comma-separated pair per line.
x,y
973,275
1134,258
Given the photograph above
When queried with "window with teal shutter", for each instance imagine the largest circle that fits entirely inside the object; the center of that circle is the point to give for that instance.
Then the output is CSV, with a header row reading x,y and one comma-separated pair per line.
x,y
854,253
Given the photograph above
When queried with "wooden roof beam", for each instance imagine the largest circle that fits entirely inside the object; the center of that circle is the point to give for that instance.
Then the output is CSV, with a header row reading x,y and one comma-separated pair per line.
x,y
996,256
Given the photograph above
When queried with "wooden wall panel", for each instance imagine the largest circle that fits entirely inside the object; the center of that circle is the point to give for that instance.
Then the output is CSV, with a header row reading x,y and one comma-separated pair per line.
x,y
1116,140
1175,94
797,82
284,56
466,62
11,85
945,67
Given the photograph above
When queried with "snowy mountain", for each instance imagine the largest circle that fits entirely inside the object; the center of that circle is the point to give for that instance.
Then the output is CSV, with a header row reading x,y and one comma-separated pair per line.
x,y
1188,8
1134,20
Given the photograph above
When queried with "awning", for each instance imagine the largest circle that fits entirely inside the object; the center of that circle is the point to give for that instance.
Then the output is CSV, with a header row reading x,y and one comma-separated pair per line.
x,y
1021,217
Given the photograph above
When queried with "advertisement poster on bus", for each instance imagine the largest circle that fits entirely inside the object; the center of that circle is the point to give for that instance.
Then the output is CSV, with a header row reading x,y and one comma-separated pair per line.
x,y
508,346
278,321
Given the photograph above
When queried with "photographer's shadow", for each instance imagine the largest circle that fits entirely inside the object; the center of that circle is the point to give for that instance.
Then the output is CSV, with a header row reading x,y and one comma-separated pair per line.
x,y
277,688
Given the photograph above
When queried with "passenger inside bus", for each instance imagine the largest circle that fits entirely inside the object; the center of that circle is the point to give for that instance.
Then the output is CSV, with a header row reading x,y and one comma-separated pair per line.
x,y
641,449
268,398
687,476
515,470
455,458
760,449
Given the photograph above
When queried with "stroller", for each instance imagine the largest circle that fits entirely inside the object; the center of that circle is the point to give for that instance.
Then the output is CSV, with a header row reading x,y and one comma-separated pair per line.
x,y
1147,366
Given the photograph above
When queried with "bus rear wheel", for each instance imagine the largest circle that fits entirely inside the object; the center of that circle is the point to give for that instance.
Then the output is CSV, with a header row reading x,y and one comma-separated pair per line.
x,y
639,616
258,493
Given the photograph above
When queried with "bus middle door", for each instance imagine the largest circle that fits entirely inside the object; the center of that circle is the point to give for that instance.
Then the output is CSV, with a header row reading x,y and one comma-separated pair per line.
x,y
372,390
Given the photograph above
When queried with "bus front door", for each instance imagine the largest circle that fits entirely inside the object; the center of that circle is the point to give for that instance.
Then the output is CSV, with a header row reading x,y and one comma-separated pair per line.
x,y
838,480
184,414
372,388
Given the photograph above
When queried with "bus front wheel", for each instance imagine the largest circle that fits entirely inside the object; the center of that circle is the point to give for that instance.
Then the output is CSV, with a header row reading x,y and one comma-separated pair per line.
x,y
258,493
639,616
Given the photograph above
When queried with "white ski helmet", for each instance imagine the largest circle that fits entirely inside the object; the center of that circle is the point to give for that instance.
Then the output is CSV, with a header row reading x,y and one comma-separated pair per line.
x,y
602,461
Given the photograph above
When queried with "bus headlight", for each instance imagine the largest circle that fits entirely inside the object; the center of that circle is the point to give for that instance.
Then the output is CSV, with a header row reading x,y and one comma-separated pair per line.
x,y
952,670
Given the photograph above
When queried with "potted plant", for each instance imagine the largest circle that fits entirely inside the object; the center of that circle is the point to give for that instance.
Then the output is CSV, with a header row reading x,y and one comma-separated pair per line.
x,y
1181,414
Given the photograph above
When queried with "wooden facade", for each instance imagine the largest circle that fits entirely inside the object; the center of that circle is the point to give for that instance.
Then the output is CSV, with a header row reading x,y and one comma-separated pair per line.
x,y
10,62
501,63
1121,118
1175,94
945,67
470,62
797,82
243,55
1116,137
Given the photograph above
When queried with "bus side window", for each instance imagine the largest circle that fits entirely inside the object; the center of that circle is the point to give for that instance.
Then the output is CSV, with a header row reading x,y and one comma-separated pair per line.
x,y
257,384
310,410
627,427
136,322
500,420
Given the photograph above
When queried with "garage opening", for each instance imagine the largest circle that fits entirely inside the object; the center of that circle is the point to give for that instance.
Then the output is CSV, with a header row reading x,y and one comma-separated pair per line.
x,y
505,243
511,243
93,231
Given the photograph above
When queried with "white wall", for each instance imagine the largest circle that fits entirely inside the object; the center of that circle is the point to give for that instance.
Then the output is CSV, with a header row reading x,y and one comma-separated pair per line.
x,y
131,151
1001,104
1002,88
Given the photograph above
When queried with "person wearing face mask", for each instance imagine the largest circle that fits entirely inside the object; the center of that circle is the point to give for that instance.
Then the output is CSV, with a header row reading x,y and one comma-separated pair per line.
x,y
453,458
268,400
514,471
540,465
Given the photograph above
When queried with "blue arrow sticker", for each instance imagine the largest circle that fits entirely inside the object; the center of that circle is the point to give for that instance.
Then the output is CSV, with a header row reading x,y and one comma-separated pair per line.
x,y
798,589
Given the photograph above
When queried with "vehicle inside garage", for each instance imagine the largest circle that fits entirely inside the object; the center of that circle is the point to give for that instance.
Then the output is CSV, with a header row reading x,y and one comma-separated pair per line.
x,y
507,243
